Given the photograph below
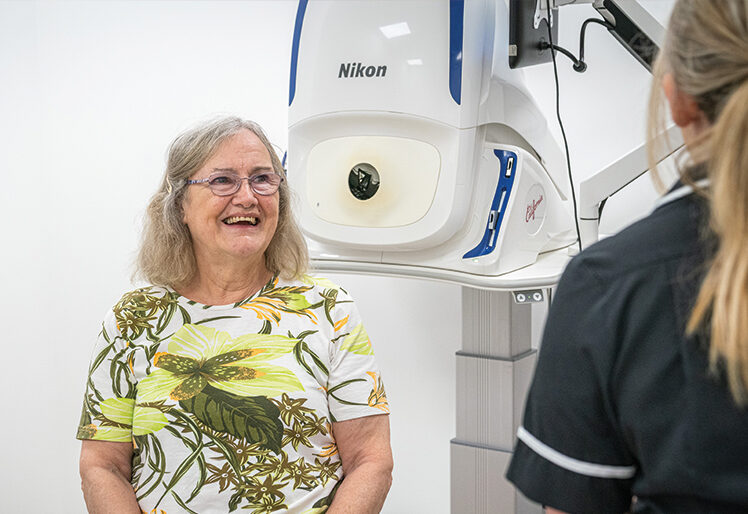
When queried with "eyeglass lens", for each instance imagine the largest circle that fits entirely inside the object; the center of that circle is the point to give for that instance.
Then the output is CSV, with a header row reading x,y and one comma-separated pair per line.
x,y
224,184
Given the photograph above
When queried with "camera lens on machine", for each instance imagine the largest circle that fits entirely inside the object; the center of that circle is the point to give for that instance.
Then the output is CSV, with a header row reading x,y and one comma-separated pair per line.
x,y
363,181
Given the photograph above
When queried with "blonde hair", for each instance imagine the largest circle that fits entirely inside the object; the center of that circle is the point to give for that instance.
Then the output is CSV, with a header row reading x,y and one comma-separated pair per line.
x,y
706,51
166,255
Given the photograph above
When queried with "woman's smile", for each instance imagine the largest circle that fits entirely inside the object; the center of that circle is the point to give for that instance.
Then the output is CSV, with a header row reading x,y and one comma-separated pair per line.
x,y
241,221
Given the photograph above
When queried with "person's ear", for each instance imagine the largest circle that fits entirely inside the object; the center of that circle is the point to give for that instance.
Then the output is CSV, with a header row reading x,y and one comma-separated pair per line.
x,y
683,107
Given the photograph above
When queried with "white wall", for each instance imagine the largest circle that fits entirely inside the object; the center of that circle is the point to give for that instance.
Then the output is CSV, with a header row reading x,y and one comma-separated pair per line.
x,y
91,93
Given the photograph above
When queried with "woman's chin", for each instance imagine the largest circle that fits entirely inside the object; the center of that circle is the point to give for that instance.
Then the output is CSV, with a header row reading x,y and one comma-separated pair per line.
x,y
244,253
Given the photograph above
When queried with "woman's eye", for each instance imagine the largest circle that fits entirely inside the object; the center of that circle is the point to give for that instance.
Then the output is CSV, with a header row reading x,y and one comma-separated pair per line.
x,y
222,180
261,178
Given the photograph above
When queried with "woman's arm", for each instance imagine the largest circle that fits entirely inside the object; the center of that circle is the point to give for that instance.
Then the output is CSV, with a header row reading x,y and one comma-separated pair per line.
x,y
364,447
105,469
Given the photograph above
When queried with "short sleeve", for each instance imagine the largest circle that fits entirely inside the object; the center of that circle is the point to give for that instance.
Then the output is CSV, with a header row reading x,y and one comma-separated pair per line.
x,y
354,385
109,400
570,454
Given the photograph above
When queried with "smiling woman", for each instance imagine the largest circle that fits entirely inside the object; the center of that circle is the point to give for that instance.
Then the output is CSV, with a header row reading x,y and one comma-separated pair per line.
x,y
235,380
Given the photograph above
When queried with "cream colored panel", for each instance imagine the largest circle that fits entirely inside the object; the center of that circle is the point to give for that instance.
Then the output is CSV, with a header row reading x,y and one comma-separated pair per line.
x,y
408,172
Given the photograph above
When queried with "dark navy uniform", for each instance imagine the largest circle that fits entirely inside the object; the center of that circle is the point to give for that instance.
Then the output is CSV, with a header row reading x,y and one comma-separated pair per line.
x,y
622,403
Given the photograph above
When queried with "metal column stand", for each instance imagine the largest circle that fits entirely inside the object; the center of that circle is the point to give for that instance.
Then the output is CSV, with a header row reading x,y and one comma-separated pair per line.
x,y
494,369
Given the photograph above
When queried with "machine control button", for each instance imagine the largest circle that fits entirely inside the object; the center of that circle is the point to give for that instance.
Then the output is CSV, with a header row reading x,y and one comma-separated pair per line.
x,y
493,217
528,296
509,167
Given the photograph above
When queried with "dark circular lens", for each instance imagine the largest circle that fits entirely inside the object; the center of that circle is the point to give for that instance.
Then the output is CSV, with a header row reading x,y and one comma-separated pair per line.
x,y
363,181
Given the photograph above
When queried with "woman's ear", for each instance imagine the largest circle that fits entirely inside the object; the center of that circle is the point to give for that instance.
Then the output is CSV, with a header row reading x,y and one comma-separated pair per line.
x,y
683,107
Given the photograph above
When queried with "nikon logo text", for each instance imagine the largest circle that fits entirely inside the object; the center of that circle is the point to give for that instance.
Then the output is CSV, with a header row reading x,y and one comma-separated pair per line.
x,y
359,70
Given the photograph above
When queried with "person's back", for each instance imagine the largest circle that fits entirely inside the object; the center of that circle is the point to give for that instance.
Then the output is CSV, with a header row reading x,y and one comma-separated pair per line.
x,y
641,383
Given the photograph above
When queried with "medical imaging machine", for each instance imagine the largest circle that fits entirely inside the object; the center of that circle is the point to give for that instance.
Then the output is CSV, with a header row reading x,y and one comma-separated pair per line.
x,y
417,151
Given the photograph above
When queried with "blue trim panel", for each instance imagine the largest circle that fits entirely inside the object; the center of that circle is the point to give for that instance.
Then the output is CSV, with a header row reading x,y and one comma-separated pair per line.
x,y
456,22
295,48
490,237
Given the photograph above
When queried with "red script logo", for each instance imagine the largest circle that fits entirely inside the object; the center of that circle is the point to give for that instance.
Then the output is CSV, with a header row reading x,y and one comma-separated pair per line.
x,y
531,208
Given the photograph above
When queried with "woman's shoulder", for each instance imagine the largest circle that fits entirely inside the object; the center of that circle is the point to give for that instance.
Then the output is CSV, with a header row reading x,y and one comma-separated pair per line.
x,y
145,296
326,294
141,304
322,286
668,234
319,281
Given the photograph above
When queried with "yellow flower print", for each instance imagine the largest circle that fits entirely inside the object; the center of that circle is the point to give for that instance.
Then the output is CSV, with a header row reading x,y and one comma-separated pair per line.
x,y
330,449
357,341
340,324
326,469
272,302
377,397
138,311
199,355
122,418
319,281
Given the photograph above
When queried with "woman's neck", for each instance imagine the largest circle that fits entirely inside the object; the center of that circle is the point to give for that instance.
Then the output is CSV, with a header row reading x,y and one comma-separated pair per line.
x,y
225,284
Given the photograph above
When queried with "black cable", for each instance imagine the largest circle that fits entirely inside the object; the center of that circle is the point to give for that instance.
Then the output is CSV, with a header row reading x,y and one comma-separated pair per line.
x,y
579,65
577,62
604,23
560,123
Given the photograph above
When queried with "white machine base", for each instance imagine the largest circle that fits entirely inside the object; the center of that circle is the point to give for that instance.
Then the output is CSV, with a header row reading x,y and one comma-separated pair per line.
x,y
545,272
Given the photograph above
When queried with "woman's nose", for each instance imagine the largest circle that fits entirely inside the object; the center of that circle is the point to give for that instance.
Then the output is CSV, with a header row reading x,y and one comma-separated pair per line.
x,y
244,195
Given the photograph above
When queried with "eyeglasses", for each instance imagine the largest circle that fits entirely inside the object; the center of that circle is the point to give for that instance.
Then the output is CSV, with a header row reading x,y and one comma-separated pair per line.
x,y
222,183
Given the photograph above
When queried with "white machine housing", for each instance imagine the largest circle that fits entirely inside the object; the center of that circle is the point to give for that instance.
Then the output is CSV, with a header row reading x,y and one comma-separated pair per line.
x,y
472,184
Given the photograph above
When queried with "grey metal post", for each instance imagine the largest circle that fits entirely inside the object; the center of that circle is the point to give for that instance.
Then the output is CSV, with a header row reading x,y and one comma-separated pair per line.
x,y
494,369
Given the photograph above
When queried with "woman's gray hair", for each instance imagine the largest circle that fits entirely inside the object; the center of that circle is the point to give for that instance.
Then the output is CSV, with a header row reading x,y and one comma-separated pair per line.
x,y
166,255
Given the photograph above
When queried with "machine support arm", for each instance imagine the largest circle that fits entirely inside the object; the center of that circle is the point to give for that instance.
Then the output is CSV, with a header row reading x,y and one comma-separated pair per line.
x,y
603,184
632,25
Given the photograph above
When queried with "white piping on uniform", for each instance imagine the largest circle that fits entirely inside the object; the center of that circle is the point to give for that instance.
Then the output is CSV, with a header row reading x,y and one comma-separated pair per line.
x,y
569,463
681,192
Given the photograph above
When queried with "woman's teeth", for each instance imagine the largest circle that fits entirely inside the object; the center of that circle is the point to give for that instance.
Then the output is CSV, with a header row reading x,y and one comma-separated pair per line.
x,y
239,219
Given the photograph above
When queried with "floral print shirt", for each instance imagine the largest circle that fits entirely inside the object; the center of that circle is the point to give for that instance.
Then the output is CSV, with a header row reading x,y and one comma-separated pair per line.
x,y
230,407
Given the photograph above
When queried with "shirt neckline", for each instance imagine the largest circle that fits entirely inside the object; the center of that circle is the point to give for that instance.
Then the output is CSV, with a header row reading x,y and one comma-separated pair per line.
x,y
681,191
273,281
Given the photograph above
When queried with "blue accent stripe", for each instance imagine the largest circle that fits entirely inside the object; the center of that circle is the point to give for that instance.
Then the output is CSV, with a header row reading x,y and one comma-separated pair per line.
x,y
456,22
504,187
295,48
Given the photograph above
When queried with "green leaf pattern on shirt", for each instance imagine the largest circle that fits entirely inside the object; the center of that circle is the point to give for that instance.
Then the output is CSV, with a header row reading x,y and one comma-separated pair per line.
x,y
168,371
